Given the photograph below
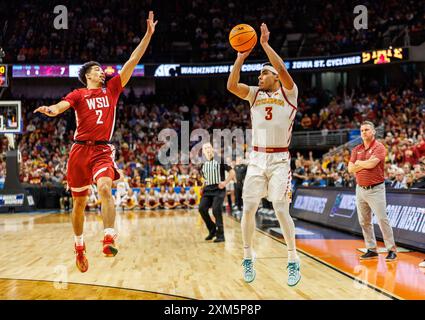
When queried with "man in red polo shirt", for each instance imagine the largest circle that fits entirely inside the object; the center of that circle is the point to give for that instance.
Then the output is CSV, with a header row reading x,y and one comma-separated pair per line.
x,y
367,162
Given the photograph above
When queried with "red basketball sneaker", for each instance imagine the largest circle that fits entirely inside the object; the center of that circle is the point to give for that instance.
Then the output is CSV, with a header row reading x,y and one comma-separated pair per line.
x,y
109,246
80,258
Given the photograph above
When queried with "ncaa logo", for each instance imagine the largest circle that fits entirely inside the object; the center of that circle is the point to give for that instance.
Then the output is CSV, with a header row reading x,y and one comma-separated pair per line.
x,y
104,90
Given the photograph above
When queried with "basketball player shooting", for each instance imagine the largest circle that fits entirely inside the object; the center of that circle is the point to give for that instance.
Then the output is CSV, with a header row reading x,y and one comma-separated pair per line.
x,y
91,159
273,109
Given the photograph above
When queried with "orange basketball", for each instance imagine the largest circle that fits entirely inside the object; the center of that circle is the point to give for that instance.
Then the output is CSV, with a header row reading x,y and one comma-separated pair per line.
x,y
243,37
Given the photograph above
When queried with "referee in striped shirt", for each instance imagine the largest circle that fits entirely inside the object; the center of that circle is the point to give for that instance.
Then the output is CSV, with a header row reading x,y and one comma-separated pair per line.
x,y
214,192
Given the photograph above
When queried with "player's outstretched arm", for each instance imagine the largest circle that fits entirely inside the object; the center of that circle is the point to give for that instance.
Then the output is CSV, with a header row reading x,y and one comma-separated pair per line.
x,y
128,68
239,89
55,109
274,59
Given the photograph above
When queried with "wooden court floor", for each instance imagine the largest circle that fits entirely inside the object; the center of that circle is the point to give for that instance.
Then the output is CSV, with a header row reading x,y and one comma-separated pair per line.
x,y
162,255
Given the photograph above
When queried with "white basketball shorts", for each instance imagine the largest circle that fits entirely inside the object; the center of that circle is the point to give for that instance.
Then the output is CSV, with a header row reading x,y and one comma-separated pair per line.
x,y
268,175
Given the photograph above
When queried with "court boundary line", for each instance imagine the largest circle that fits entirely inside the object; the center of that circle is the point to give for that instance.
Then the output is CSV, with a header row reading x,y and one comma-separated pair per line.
x,y
41,211
369,285
102,286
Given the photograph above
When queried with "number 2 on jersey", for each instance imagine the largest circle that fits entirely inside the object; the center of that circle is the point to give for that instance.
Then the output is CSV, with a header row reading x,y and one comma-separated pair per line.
x,y
99,117
269,114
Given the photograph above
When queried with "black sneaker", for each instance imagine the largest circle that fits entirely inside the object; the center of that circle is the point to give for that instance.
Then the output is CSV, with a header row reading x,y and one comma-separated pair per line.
x,y
369,255
392,256
219,239
211,235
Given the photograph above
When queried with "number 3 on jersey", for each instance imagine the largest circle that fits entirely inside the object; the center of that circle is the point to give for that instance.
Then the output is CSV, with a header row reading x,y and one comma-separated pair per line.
x,y
99,117
269,114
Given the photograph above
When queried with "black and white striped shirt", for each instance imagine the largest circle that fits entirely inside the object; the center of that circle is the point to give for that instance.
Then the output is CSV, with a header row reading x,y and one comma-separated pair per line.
x,y
213,173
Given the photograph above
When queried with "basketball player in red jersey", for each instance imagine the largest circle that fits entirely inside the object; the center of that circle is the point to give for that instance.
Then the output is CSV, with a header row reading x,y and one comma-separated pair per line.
x,y
91,159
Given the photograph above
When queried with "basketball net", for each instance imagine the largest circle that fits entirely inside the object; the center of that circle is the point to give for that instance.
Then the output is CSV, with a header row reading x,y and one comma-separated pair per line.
x,y
12,145
11,140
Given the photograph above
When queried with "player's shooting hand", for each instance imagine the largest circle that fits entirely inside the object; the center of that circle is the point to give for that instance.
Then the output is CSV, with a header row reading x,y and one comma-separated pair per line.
x,y
244,55
45,110
151,24
265,34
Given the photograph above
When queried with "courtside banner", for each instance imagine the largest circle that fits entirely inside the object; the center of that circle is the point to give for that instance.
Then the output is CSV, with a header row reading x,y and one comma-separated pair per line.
x,y
15,200
336,208
165,70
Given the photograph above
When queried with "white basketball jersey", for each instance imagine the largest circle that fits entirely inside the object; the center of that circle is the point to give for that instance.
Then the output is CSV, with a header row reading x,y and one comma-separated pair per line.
x,y
122,187
170,196
152,197
272,116
93,197
192,196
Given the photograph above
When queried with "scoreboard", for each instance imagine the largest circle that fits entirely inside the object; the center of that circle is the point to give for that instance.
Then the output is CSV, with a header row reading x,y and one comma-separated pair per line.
x,y
3,76
30,71
66,71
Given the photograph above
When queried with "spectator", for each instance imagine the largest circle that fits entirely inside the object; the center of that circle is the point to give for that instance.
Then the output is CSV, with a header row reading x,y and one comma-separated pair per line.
x,y
419,176
348,181
400,181
299,174
306,122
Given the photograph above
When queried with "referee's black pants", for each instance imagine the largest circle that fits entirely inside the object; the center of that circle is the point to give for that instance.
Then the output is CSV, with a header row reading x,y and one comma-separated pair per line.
x,y
215,200
238,195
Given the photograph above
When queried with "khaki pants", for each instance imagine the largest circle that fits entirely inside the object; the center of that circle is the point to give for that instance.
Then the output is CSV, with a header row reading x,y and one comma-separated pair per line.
x,y
374,200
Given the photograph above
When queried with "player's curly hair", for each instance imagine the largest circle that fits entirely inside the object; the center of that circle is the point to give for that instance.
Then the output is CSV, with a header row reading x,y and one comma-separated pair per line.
x,y
85,68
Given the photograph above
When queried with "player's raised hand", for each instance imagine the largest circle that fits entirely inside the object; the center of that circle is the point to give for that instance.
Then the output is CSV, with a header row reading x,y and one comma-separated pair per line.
x,y
151,24
45,110
244,55
265,34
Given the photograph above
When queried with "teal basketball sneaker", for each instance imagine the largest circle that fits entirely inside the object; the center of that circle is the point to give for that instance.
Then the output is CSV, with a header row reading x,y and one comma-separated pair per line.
x,y
294,275
248,269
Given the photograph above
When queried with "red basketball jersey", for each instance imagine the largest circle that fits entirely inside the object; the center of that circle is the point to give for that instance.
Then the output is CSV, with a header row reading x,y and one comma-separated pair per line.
x,y
95,110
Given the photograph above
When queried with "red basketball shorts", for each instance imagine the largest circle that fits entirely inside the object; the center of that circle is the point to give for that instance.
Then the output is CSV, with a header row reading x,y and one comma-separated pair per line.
x,y
86,164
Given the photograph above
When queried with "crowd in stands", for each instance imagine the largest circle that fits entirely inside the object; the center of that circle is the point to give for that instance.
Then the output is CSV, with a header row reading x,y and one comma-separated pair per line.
x,y
110,31
401,112
151,198
332,170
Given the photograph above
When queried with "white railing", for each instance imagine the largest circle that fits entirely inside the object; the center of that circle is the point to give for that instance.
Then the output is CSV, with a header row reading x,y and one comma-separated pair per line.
x,y
319,138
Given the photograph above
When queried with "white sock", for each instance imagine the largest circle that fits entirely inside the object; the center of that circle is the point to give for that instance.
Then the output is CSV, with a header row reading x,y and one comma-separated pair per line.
x,y
248,226
293,256
79,241
287,226
110,231
247,253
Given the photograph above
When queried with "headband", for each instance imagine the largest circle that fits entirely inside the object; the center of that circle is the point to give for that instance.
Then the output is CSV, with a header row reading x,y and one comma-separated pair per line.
x,y
269,68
